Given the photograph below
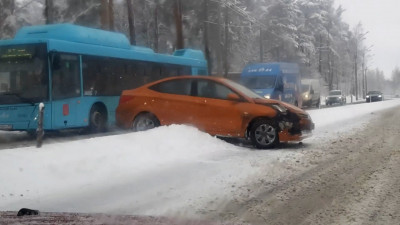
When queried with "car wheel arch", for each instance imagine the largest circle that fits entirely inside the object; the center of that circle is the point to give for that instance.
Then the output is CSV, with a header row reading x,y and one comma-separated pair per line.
x,y
254,120
141,113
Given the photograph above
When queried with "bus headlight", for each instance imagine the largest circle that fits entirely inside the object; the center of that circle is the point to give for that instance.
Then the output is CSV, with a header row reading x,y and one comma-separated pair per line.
x,y
267,96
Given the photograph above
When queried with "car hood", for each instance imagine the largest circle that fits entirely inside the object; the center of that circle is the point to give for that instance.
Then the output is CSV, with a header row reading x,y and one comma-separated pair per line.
x,y
334,96
288,106
264,92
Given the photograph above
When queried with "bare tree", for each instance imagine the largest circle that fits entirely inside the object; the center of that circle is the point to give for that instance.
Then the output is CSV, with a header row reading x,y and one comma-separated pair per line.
x,y
104,18
48,12
178,24
107,14
131,22
111,14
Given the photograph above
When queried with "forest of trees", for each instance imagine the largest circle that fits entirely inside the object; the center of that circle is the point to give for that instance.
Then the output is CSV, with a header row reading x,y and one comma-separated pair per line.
x,y
232,33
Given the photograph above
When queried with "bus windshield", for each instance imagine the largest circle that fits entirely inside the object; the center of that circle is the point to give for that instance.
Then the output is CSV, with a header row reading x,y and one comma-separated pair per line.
x,y
305,87
259,82
23,74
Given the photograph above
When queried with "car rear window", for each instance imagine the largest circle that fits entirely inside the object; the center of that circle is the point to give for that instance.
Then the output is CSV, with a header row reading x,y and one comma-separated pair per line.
x,y
178,87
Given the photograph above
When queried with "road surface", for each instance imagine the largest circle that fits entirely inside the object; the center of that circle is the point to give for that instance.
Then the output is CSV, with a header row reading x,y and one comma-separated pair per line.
x,y
354,179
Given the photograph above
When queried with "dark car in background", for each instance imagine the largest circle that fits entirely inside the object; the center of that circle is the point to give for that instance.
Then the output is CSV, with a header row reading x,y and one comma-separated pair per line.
x,y
373,96
335,97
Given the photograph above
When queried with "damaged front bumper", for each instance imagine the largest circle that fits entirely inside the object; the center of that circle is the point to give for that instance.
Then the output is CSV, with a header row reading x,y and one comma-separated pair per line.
x,y
295,128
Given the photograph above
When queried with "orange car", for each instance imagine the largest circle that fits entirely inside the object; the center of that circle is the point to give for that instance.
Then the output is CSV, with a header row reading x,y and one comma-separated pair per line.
x,y
215,105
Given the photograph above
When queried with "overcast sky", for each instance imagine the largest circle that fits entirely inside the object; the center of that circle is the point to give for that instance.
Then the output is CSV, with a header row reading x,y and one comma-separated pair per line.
x,y
381,18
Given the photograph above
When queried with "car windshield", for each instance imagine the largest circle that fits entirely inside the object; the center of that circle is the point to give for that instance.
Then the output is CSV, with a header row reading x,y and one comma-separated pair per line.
x,y
259,82
373,93
335,93
249,93
23,74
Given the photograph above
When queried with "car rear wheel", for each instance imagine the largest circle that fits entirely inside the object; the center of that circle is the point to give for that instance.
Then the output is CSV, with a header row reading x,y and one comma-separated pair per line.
x,y
145,121
264,134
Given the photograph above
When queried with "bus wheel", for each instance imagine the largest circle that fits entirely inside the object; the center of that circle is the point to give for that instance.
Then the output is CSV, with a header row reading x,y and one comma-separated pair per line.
x,y
98,119
264,134
145,121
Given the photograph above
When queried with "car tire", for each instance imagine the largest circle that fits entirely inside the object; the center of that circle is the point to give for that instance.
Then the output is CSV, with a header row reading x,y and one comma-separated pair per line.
x,y
145,121
97,119
264,134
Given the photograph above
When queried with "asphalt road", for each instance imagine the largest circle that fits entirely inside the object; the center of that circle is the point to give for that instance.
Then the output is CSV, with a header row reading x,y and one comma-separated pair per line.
x,y
354,179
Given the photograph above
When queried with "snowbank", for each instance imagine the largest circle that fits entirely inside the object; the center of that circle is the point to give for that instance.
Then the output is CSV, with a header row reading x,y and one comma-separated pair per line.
x,y
162,171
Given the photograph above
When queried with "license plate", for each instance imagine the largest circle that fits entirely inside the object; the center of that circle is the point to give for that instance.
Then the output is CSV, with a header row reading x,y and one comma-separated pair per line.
x,y
5,127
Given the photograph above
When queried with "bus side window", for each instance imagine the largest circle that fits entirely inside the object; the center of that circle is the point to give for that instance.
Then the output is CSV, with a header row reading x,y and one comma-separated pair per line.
x,y
66,78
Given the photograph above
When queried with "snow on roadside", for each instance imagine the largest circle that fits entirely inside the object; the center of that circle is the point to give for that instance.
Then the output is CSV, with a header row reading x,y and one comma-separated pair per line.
x,y
157,172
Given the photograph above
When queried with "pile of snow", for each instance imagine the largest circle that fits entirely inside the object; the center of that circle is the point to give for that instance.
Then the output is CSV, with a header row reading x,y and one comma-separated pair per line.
x,y
160,171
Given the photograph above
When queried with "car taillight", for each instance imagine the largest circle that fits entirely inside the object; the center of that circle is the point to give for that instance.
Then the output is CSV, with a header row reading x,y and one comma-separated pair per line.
x,y
125,98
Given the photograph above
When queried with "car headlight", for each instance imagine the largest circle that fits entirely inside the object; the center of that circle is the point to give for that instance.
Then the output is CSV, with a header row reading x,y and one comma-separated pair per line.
x,y
280,108
367,96
267,96
340,97
380,96
306,96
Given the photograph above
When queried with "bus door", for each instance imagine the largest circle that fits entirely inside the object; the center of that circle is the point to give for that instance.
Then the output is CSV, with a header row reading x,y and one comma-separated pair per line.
x,y
66,91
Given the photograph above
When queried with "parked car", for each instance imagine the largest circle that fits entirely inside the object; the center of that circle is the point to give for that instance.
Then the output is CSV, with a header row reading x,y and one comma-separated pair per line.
x,y
310,89
218,106
335,97
373,96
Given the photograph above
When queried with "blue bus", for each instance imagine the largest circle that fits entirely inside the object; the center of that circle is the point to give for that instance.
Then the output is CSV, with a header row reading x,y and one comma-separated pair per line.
x,y
276,80
79,74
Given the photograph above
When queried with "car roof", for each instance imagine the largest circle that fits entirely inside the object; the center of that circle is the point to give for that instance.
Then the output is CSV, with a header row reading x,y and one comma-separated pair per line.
x,y
214,78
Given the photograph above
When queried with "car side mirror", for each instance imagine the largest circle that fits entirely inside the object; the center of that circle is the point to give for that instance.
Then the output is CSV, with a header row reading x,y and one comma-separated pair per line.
x,y
233,97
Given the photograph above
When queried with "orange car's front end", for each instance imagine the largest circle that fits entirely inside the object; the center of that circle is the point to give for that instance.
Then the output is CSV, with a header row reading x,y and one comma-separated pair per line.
x,y
294,123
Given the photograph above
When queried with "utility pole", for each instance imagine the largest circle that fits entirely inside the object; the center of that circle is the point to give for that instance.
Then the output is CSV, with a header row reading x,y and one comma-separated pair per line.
x,y
329,74
131,22
363,75
206,47
355,70
320,55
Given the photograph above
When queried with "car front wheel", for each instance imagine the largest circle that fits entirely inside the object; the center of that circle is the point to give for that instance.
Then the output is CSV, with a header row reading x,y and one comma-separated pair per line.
x,y
264,134
145,121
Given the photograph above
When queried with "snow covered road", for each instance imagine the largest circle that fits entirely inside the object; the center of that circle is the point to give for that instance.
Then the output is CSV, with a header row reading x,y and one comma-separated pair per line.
x,y
175,170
